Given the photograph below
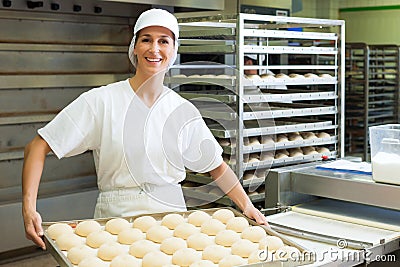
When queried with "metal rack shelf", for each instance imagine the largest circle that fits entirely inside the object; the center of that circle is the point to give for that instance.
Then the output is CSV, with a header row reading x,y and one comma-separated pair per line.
x,y
276,128
251,107
372,86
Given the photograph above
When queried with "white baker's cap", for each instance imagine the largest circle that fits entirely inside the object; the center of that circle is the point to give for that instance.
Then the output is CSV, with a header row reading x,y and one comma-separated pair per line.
x,y
154,17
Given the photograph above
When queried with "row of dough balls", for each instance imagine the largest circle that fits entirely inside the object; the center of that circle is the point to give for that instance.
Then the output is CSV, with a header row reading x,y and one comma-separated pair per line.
x,y
290,76
286,137
212,76
148,236
280,154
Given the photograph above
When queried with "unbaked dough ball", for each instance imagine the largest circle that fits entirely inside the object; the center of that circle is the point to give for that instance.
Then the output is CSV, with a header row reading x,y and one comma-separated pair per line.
x,y
144,223
215,253
281,76
254,158
253,141
68,241
270,243
57,229
125,260
185,256
282,138
254,233
172,244
84,228
194,76
269,155
155,259
237,224
92,262
287,252
226,238
323,135
96,239
141,247
77,254
265,140
202,263
325,75
309,150
244,248
197,218
172,220
295,137
310,75
308,135
110,250
260,256
231,261
267,76
185,230
130,235
323,150
199,241
116,225
223,215
281,156
212,227
158,233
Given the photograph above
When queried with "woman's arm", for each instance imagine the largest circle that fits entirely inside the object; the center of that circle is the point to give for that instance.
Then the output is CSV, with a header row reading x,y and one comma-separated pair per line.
x,y
227,180
34,158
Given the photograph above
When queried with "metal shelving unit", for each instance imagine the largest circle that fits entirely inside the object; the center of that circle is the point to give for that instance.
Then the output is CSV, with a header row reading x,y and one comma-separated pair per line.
x,y
372,88
238,108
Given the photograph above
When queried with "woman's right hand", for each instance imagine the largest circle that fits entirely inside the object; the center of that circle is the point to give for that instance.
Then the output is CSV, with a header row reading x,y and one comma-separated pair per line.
x,y
33,227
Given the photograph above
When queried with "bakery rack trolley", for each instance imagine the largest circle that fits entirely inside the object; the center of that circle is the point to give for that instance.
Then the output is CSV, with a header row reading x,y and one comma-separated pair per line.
x,y
239,109
372,92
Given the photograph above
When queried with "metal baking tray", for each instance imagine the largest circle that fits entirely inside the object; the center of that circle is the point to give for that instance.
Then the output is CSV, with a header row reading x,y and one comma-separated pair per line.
x,y
62,259
282,145
278,127
267,113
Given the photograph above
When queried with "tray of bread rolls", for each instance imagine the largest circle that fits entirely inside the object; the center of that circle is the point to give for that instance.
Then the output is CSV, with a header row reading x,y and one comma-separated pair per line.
x,y
206,237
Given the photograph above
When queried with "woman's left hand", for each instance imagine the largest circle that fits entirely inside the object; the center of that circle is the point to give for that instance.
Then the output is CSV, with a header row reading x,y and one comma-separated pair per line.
x,y
251,212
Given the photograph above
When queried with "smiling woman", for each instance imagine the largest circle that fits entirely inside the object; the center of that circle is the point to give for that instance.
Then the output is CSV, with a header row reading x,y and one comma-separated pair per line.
x,y
143,136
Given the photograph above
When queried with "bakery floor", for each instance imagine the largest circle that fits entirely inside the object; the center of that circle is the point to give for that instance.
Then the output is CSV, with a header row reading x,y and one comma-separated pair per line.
x,y
42,259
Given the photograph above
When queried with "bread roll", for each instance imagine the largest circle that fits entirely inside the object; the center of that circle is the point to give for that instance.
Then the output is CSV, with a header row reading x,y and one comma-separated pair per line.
x,y
158,233
172,244
130,235
155,259
96,239
116,225
223,215
144,223
271,243
57,229
244,248
215,253
254,233
199,241
110,250
197,218
172,220
226,238
84,228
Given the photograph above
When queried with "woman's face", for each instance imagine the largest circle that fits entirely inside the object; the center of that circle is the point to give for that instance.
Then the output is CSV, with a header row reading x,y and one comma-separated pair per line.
x,y
155,47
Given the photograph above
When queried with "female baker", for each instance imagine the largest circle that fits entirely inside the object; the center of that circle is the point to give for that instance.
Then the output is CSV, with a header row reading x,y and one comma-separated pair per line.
x,y
142,134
